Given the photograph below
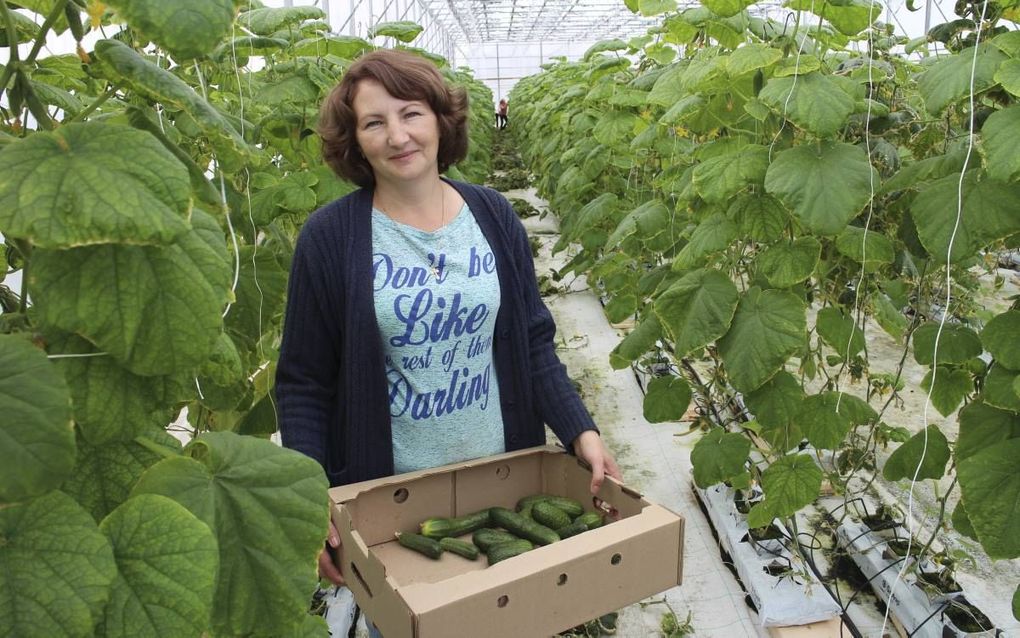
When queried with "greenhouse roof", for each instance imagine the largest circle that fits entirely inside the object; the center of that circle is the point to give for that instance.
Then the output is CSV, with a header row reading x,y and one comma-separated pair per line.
x,y
480,21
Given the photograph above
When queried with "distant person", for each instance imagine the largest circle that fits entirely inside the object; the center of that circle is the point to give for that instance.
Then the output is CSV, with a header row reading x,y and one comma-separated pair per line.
x,y
501,115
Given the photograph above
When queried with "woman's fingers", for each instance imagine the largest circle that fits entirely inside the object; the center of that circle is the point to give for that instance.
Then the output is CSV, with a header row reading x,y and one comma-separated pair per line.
x,y
328,569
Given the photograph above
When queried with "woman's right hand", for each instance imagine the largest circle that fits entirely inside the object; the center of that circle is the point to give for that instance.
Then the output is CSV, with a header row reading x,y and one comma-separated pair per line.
x,y
328,569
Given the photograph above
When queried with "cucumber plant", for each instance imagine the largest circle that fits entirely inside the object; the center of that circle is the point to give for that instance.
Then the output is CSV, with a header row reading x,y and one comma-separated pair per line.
x,y
151,187
762,196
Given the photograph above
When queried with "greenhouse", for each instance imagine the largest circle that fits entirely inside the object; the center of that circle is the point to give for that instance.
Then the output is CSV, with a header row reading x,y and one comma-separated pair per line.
x,y
510,318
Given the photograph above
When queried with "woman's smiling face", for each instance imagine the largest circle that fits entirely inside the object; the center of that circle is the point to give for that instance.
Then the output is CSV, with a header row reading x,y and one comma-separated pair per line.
x,y
399,138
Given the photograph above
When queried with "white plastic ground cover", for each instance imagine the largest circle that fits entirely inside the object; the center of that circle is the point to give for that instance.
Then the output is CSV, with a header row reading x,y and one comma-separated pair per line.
x,y
918,611
781,601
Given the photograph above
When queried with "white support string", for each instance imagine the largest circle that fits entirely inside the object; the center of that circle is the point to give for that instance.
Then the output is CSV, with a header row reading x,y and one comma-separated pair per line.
x,y
945,314
793,87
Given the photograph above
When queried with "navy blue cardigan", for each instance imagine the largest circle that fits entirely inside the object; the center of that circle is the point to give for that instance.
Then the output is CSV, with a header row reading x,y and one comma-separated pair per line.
x,y
331,384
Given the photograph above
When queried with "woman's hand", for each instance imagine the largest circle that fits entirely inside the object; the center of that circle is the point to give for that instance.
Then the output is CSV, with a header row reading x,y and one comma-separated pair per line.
x,y
589,446
327,568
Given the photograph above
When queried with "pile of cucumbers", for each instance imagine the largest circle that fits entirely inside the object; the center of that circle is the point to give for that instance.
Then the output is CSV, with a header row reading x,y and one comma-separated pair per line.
x,y
501,533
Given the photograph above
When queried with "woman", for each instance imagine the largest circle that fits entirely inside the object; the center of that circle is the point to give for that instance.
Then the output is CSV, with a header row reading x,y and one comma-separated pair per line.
x,y
415,335
501,114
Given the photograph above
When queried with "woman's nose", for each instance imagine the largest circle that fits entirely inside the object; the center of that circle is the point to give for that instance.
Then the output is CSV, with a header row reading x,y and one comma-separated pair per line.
x,y
397,135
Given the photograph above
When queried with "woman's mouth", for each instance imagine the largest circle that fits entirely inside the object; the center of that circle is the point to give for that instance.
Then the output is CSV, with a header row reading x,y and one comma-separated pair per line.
x,y
402,155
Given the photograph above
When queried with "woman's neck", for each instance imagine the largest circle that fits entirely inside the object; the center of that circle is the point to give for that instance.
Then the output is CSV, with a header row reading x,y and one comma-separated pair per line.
x,y
418,204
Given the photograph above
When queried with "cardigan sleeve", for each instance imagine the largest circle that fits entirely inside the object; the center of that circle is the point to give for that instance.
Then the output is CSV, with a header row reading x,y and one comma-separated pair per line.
x,y
308,367
555,398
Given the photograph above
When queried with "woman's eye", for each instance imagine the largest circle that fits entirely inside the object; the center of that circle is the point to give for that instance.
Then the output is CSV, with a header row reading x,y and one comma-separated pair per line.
x,y
372,124
413,113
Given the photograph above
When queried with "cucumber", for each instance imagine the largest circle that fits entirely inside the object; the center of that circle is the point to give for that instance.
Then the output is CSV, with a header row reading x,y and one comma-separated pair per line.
x,y
503,551
422,544
528,501
486,538
591,519
523,527
459,547
457,526
573,529
568,505
549,515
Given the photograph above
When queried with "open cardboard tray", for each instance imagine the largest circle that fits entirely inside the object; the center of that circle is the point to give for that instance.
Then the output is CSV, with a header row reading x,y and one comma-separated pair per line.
x,y
539,593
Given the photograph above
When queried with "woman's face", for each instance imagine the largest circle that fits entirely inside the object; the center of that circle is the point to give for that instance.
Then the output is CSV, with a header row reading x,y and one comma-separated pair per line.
x,y
399,138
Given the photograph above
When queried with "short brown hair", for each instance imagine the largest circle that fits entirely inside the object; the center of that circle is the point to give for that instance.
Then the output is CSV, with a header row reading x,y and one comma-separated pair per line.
x,y
404,76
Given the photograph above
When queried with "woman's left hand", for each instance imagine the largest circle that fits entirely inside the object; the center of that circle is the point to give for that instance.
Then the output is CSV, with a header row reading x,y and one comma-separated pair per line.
x,y
589,446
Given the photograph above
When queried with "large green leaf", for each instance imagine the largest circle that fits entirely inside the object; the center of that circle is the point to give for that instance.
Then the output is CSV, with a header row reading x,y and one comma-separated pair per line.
x,y
37,437
823,425
697,309
1001,388
104,474
25,30
825,184
952,385
640,340
990,486
156,310
751,57
1008,76
719,456
185,28
719,178
51,543
767,328
261,287
712,235
789,263
776,405
988,213
950,79
165,581
404,31
92,183
871,248
615,128
814,102
839,331
267,508
649,223
1000,338
110,403
667,399
957,344
983,426
791,483
761,217
849,17
667,89
267,21
345,47
126,65
655,7
599,212
924,456
1001,157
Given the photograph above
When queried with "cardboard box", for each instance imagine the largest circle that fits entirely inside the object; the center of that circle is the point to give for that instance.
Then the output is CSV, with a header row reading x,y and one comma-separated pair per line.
x,y
539,593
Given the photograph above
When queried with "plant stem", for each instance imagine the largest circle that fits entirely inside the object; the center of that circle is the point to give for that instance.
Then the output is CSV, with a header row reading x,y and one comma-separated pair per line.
x,y
40,39
942,513
25,249
12,39
81,115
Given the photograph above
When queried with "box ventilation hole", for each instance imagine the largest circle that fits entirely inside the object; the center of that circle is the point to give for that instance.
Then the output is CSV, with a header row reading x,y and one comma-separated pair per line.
x,y
562,580
400,495
503,472
615,560
503,601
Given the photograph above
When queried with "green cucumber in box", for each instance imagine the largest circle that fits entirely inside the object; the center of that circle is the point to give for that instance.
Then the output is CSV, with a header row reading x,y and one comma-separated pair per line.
x,y
549,515
520,526
590,519
568,505
573,529
486,537
458,526
503,551
459,547
422,544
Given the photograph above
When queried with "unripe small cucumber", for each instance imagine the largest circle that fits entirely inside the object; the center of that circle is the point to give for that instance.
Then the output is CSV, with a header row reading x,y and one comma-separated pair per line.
x,y
549,515
421,544
459,547
523,527
503,551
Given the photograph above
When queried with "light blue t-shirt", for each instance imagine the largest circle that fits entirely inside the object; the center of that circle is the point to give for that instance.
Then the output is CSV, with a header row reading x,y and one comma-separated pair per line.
x,y
437,337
